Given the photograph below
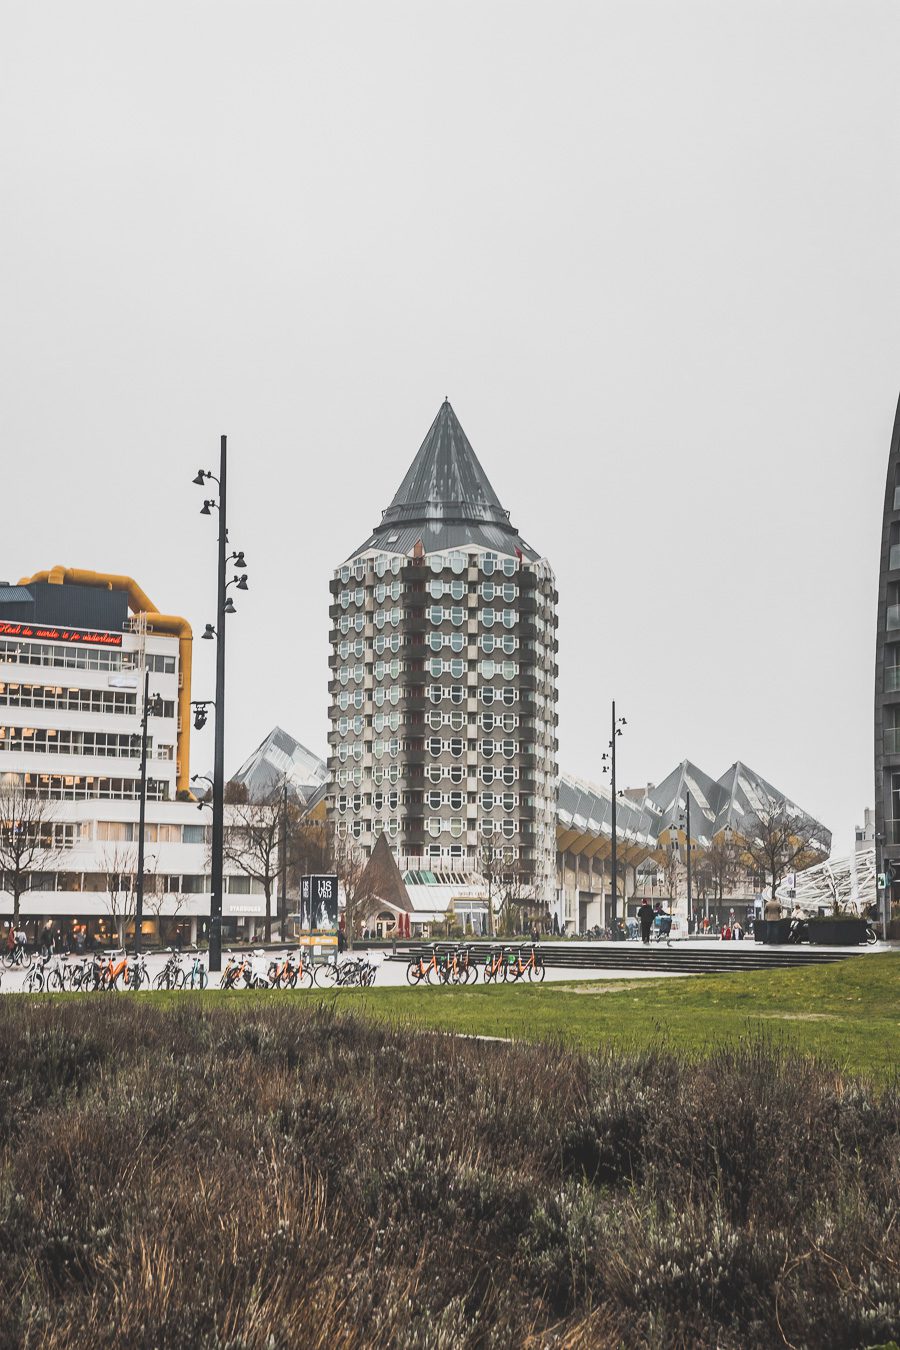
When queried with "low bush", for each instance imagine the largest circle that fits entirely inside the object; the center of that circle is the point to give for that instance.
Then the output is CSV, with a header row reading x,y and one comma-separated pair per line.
x,y
223,1178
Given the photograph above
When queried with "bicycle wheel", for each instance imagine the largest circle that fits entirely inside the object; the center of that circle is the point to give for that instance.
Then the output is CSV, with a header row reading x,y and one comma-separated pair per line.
x,y
326,974
55,982
306,977
413,973
8,960
163,980
34,982
536,973
871,935
471,974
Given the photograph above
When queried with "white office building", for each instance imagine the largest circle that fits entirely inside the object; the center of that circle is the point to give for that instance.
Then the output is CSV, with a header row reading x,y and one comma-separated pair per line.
x,y
73,649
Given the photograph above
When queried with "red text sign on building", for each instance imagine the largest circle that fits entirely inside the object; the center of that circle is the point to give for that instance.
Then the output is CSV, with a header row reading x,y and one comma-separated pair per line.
x,y
39,633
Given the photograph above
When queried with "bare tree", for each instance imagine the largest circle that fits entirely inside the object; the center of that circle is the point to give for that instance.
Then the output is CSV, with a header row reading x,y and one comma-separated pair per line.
x,y
252,845
157,899
509,886
350,866
519,907
671,872
722,860
778,839
119,863
491,870
28,842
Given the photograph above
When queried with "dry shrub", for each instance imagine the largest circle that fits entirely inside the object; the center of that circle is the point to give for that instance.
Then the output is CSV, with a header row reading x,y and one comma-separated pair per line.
x,y
262,1175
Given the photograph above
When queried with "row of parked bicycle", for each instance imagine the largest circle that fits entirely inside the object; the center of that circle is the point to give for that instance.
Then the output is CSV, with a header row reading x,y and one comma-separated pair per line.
x,y
118,970
103,970
461,966
294,970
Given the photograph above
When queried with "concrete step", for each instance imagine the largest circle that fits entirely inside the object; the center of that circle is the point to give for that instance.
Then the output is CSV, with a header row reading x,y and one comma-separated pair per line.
x,y
634,956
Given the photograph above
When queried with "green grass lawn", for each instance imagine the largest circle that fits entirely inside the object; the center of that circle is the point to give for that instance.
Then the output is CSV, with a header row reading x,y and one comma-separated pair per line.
x,y
848,1012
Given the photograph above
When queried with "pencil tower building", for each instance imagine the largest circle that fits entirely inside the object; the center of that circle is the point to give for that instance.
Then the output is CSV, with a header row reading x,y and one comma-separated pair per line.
x,y
443,672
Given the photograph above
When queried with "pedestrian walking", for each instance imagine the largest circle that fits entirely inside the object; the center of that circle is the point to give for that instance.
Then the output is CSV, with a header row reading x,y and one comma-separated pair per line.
x,y
47,940
646,915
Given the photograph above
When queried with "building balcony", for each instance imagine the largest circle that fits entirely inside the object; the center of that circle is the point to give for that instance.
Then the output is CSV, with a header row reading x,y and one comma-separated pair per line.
x,y
415,757
416,624
414,703
415,651
413,676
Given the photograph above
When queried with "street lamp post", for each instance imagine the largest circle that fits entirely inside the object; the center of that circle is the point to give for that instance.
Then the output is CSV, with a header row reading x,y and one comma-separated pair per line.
x,y
224,606
153,705
283,878
609,765
688,823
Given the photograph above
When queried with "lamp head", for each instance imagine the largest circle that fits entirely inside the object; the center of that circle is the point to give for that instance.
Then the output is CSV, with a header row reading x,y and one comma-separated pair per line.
x,y
208,633
229,606
241,582
239,560
205,508
200,479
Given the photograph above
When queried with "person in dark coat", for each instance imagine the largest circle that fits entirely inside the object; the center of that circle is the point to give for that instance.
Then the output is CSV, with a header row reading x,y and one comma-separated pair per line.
x,y
645,918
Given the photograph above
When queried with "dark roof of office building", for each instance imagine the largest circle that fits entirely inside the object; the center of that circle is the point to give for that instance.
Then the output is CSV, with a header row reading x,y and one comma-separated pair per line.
x,y
446,500
14,595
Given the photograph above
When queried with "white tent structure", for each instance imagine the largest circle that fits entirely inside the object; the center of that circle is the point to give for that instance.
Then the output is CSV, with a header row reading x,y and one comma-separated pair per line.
x,y
845,883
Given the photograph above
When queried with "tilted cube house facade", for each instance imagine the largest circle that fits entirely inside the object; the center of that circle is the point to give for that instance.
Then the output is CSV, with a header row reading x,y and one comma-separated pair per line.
x,y
443,673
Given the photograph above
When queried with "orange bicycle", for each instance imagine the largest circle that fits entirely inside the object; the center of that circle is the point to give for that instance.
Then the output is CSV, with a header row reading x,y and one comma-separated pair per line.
x,y
534,967
430,971
114,969
458,968
495,965
291,971
235,968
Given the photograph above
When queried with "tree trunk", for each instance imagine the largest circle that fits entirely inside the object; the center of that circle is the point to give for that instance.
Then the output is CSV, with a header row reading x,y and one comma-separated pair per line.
x,y
268,913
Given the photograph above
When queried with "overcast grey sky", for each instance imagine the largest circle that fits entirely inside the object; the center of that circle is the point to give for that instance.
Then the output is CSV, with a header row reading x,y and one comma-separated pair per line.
x,y
648,249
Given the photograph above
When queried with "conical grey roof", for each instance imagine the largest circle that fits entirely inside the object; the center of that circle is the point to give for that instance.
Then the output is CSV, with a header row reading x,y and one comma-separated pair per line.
x,y
445,480
446,499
